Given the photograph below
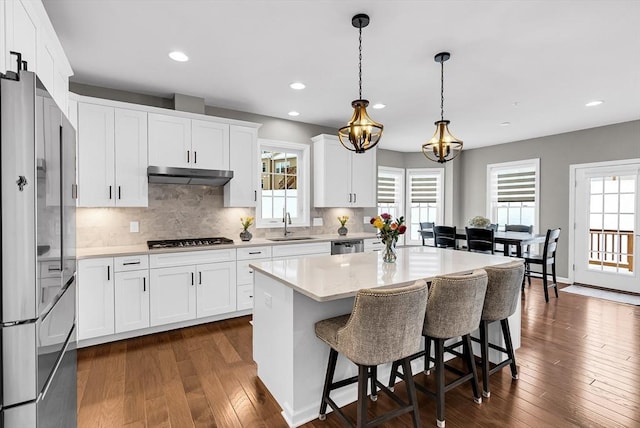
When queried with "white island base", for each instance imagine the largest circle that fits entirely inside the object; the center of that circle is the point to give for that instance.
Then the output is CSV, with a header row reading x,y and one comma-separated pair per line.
x,y
291,360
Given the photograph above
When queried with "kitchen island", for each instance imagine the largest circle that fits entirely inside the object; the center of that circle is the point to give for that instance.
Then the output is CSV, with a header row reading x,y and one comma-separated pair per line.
x,y
291,295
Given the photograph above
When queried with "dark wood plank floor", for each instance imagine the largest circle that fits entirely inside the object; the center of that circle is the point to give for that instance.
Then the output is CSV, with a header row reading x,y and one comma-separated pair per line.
x,y
579,365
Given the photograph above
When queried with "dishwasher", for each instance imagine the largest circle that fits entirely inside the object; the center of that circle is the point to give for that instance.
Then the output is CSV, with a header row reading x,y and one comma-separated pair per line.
x,y
346,246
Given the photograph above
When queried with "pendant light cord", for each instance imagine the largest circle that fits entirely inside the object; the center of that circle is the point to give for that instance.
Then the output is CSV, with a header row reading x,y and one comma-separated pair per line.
x,y
360,59
442,90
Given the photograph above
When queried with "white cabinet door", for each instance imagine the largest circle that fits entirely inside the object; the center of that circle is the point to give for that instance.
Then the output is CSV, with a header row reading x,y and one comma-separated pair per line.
x,y
95,156
172,295
131,158
242,190
95,298
131,300
20,34
169,141
364,179
245,297
332,174
210,145
216,288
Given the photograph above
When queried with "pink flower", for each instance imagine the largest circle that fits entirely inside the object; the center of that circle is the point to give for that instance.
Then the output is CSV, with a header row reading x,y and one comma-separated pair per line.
x,y
401,229
385,216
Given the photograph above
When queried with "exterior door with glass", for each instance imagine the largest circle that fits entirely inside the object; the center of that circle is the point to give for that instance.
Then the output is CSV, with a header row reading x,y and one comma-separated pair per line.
x,y
607,225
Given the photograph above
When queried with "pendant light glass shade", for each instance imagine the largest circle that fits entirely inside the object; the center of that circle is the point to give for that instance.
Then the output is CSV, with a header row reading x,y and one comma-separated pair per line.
x,y
361,133
443,146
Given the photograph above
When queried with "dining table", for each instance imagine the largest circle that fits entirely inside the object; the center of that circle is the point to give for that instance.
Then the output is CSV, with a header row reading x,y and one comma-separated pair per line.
x,y
509,240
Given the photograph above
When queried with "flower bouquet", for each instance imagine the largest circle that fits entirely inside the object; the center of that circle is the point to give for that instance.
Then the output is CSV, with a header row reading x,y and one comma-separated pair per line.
x,y
246,222
389,230
479,222
342,230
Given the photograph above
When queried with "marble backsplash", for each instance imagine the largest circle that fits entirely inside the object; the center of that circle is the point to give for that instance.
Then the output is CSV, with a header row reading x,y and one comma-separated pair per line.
x,y
181,211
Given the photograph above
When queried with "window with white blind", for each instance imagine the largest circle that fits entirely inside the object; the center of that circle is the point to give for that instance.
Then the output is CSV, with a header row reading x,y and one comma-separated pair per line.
x,y
391,191
512,190
424,200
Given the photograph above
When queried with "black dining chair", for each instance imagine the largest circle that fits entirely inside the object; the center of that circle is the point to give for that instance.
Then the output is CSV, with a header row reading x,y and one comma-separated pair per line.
x,y
547,258
444,236
519,228
493,226
481,240
426,231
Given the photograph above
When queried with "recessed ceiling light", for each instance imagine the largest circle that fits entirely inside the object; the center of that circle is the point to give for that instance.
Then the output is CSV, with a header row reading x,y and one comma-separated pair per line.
x,y
294,113
178,56
379,106
297,85
505,124
594,103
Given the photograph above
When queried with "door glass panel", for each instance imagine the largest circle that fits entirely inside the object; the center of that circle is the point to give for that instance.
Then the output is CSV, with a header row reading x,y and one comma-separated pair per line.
x,y
611,223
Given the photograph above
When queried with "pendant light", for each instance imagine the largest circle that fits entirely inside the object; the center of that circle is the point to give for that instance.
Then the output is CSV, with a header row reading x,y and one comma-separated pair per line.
x,y
443,146
361,133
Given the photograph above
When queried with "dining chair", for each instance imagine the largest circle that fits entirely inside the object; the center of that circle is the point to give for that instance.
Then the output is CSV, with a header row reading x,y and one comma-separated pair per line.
x,y
547,258
493,226
427,231
384,327
444,236
481,240
519,228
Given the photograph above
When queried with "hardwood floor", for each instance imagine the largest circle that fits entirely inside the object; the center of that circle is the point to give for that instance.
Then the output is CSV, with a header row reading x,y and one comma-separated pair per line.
x,y
579,365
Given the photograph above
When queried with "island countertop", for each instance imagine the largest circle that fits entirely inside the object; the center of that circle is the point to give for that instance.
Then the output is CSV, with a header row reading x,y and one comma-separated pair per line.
x,y
326,278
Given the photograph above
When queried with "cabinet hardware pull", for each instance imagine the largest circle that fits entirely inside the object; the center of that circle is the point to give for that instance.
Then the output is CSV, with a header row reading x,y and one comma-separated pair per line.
x,y
109,192
350,197
195,157
187,156
200,278
119,193
251,297
108,273
250,271
255,252
255,195
192,278
131,263
54,269
144,283
355,197
74,191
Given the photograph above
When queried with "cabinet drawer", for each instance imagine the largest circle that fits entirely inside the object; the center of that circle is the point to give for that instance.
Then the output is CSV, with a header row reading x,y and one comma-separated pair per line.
x,y
135,262
254,253
191,258
50,269
245,297
373,244
244,274
301,249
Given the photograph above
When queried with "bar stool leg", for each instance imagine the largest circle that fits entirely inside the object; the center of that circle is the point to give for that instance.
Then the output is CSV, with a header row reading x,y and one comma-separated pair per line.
x,y
484,352
507,340
427,355
393,375
472,367
361,418
439,348
374,388
331,368
411,391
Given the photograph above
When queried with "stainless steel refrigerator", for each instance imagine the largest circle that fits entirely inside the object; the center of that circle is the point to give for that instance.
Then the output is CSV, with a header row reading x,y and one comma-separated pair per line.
x,y
38,262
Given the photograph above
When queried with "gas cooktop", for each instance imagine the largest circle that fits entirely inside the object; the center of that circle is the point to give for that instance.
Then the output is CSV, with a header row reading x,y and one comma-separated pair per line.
x,y
189,242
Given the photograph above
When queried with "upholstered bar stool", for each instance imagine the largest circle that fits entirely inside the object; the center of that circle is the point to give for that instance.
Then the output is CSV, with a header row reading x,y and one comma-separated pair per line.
x,y
385,326
500,303
454,308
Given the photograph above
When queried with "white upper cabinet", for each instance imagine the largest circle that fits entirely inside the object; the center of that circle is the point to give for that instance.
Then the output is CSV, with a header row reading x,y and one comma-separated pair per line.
x,y
188,143
169,141
112,157
26,29
210,145
342,178
242,189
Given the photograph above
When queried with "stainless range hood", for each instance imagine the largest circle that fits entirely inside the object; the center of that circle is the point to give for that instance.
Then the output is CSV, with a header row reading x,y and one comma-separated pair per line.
x,y
171,175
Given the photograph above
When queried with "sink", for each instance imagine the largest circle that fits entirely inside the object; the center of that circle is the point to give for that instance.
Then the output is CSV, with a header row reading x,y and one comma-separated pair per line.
x,y
291,238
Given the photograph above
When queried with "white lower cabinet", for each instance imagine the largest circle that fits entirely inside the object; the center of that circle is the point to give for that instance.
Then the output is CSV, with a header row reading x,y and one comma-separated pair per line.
x,y
173,294
244,279
95,298
215,295
131,300
373,244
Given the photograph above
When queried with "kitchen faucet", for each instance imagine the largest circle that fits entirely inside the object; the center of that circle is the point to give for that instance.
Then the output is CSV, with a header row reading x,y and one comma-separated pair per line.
x,y
284,220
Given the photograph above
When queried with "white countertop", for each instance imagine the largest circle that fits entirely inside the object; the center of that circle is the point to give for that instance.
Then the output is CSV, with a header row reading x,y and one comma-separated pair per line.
x,y
126,250
325,278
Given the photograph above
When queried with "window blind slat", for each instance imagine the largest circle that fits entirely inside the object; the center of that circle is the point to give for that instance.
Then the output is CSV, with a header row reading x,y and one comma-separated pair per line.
x,y
515,186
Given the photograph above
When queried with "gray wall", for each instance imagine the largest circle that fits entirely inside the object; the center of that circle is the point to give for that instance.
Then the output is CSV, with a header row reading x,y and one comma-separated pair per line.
x,y
556,154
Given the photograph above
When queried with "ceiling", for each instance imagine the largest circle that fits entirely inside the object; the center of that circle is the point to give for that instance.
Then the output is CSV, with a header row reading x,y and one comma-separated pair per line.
x,y
531,63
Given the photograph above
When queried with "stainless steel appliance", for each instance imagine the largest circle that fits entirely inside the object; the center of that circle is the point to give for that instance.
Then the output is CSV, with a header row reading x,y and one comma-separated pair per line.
x,y
174,175
346,246
188,242
37,312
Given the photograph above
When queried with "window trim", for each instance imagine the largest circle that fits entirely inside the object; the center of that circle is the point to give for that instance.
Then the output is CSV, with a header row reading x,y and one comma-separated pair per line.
x,y
439,202
304,184
525,163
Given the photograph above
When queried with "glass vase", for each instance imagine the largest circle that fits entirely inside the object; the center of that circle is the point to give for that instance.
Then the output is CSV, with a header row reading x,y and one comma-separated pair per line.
x,y
245,235
389,255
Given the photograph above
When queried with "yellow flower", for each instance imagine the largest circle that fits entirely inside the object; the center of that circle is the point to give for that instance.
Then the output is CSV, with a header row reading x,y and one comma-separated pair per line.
x,y
246,222
378,223
343,219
